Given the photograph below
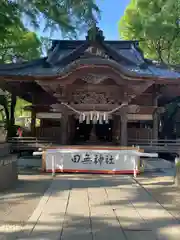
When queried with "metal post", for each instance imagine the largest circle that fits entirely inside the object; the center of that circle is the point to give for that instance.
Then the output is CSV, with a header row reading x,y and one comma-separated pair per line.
x,y
53,166
177,170
136,164
135,167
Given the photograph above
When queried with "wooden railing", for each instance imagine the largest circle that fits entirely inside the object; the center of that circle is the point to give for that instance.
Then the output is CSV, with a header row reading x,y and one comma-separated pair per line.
x,y
149,145
29,143
160,145
28,139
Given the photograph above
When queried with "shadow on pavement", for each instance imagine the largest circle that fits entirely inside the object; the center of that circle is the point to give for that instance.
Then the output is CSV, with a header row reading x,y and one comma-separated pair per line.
x,y
102,218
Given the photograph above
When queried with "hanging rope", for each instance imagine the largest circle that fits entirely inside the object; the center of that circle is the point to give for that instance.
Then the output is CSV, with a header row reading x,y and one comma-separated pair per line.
x,y
94,115
73,109
110,112
115,109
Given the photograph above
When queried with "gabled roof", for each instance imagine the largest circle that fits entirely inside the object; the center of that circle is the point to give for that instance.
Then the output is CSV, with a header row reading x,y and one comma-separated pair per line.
x,y
66,51
125,56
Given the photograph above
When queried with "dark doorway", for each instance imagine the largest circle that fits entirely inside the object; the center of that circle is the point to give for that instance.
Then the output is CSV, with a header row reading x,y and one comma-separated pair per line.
x,y
104,131
83,132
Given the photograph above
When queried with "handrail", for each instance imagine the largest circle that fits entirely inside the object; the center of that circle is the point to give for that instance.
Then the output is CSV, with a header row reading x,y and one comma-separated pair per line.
x,y
154,140
154,144
160,145
29,143
28,139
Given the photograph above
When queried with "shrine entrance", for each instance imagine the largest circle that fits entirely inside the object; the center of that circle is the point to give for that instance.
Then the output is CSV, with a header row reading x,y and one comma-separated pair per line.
x,y
93,133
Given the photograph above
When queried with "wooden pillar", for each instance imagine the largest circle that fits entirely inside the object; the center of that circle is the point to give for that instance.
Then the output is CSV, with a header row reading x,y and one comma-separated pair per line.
x,y
124,121
33,123
64,129
116,128
155,129
155,125
71,128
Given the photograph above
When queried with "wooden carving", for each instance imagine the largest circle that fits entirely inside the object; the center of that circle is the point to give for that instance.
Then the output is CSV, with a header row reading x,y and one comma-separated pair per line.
x,y
94,78
98,52
81,97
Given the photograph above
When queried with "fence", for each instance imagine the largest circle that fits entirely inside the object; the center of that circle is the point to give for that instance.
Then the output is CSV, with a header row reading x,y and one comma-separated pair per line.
x,y
159,145
28,143
149,145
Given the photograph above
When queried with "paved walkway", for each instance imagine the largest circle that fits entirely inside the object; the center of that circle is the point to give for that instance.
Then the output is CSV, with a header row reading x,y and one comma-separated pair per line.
x,y
161,186
19,202
91,207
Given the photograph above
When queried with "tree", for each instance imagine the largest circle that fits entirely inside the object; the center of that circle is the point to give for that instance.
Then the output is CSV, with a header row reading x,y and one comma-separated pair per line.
x,y
156,24
69,16
168,119
20,44
16,42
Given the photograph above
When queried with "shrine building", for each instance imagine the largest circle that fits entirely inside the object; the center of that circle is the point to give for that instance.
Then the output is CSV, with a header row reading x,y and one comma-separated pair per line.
x,y
93,91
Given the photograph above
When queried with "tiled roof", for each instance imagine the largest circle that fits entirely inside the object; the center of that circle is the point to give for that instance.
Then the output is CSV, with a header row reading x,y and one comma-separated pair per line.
x,y
152,70
164,73
126,54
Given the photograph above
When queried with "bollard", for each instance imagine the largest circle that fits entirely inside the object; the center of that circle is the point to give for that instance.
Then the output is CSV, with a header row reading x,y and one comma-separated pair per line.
x,y
135,167
177,170
53,166
135,164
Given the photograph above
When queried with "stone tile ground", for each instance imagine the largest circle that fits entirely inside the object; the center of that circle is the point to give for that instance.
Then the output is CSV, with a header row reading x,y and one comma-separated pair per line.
x,y
78,207
18,203
163,189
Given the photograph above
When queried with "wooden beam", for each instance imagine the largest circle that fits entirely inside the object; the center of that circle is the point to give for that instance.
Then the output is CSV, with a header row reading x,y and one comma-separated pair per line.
x,y
89,107
28,91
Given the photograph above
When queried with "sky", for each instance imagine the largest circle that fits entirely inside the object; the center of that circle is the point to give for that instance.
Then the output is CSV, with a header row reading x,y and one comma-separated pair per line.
x,y
111,12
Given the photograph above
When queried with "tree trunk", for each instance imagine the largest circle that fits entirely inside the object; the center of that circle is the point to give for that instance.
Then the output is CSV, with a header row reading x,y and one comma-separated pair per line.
x,y
11,127
12,110
168,122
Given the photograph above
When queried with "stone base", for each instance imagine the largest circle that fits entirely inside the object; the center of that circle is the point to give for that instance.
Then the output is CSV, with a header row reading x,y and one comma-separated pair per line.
x,y
4,149
8,172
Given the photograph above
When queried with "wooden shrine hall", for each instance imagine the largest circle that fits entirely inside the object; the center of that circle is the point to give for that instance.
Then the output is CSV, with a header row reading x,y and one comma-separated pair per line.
x,y
93,91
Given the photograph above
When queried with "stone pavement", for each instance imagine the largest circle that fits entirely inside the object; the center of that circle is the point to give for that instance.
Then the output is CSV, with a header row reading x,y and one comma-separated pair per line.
x,y
157,164
18,203
93,207
163,189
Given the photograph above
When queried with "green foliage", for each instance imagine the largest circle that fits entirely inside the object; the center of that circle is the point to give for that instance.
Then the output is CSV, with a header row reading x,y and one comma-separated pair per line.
x,y
11,108
19,44
20,104
156,24
69,16
9,17
178,164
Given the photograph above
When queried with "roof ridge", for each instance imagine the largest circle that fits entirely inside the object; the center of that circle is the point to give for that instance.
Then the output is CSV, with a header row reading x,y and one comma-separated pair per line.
x,y
76,52
72,56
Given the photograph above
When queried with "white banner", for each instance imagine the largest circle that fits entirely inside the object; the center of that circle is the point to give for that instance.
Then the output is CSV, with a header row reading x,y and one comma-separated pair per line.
x,y
86,160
